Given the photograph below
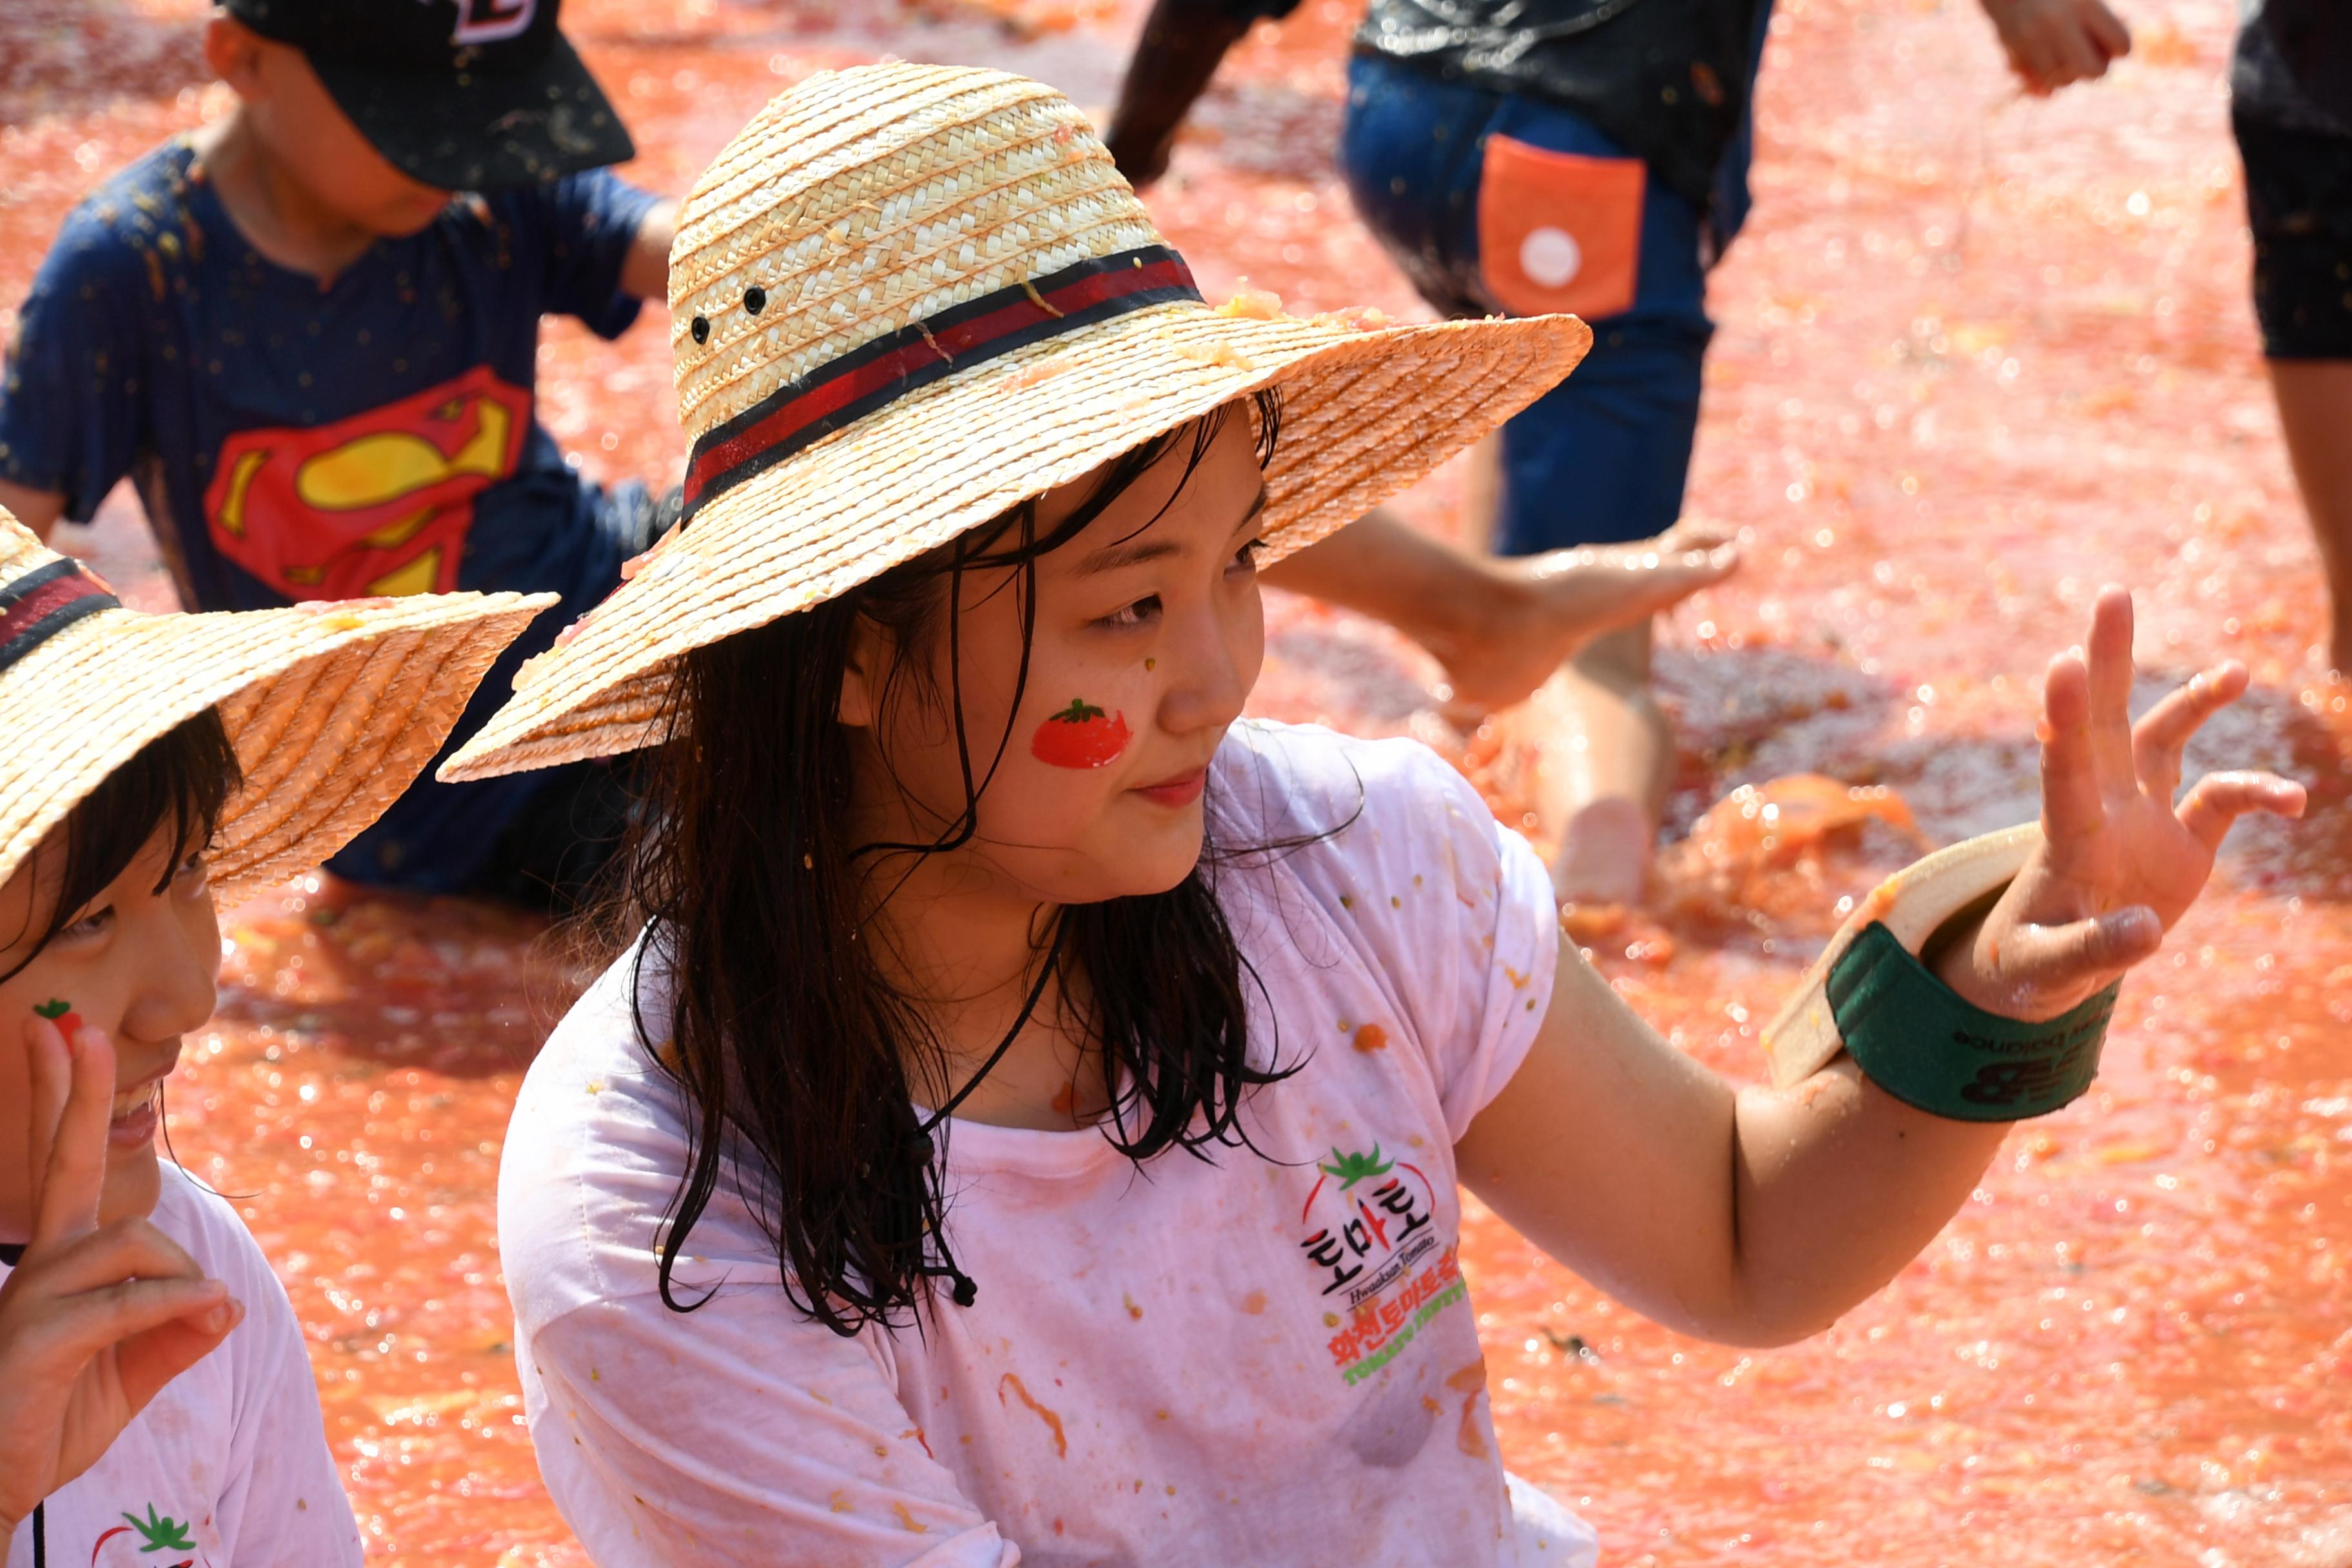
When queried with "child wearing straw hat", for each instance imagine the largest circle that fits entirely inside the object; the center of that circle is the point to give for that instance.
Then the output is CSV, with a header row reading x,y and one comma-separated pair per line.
x,y
155,1396
1026,1123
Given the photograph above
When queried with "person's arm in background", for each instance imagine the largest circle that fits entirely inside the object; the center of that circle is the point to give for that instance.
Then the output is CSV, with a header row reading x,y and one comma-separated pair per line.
x,y
73,415
1182,42
645,271
37,509
603,246
2052,43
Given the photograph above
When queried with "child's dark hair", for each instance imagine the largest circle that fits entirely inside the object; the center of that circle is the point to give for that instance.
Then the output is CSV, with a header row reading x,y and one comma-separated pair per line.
x,y
181,779
791,1047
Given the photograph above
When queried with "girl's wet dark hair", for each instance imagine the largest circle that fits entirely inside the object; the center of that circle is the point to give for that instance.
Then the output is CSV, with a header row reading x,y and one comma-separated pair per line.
x,y
181,780
791,1047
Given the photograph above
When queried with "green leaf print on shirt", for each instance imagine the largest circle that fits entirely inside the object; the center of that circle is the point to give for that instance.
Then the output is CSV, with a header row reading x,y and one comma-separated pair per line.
x,y
1354,1167
161,1534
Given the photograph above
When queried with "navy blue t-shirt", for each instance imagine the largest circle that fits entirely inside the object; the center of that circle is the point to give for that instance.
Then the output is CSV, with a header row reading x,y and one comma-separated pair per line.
x,y
375,437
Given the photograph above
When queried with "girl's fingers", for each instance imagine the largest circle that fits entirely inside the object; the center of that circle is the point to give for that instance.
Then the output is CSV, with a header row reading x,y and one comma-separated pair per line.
x,y
48,1068
2217,800
2163,731
2110,663
2107,30
148,1360
2090,50
189,1316
69,1178
2072,805
127,1249
2060,961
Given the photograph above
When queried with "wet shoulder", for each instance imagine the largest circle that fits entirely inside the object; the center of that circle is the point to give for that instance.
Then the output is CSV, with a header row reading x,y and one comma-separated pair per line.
x,y
1351,822
595,1154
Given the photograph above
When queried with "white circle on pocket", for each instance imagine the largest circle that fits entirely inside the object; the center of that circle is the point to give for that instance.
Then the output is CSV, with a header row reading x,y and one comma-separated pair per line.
x,y
1550,257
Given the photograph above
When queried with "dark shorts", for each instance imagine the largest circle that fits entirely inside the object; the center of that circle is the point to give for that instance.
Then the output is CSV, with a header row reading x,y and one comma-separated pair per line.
x,y
1602,458
2299,203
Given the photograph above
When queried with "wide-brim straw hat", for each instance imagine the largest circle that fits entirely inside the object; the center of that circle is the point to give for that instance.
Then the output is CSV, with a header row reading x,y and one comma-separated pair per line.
x,y
333,707
906,298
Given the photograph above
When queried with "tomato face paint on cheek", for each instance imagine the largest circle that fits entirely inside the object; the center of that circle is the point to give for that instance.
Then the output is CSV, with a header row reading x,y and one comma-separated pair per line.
x,y
1080,736
61,1013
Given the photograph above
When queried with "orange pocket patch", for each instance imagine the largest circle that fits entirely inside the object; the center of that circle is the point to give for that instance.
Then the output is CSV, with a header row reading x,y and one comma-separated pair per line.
x,y
1559,231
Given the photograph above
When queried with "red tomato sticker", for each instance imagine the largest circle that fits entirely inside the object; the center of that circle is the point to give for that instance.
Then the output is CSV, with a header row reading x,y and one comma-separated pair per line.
x,y
1080,736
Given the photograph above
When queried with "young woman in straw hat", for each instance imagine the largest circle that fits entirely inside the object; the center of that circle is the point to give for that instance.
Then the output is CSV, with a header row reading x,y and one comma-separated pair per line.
x,y
1026,1125
155,1397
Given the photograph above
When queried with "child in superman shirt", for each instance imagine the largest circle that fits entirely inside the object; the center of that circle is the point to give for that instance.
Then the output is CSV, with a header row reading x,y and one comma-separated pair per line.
x,y
308,332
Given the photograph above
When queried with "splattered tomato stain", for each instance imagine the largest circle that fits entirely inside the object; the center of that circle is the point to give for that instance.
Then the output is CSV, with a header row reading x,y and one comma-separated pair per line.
x,y
1254,1303
1470,1382
1065,1102
1052,1420
905,1520
1080,736
1371,1037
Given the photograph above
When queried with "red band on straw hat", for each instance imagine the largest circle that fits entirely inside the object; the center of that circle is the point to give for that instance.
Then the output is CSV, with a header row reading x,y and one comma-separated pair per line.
x,y
44,602
880,373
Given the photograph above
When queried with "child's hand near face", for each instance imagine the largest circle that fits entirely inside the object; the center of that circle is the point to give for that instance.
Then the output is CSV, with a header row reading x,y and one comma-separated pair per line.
x,y
94,1320
2120,862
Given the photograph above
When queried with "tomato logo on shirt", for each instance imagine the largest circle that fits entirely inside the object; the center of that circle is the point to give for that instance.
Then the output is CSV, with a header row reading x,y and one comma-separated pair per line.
x,y
155,1534
1376,1241
379,503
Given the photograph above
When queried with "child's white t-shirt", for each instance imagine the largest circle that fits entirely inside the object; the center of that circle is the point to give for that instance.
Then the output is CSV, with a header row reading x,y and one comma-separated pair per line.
x,y
1266,1359
229,1466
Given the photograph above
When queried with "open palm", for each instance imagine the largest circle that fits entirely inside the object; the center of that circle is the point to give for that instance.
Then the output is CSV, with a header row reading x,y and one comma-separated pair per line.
x,y
2120,860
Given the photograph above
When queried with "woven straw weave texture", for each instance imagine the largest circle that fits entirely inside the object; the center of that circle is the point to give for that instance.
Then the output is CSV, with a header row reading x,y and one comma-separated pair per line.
x,y
333,708
859,205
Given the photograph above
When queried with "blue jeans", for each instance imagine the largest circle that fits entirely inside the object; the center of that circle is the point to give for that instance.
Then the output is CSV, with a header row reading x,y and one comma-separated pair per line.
x,y
1603,456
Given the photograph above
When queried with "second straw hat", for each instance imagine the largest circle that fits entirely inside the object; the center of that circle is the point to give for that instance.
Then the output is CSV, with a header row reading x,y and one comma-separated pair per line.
x,y
908,298
333,707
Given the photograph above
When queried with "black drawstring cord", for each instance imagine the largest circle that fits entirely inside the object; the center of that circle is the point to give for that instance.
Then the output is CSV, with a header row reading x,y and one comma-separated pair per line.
x,y
961,1286
11,1253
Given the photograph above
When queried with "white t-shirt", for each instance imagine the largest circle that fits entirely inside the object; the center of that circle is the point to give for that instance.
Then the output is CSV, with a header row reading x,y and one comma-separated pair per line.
x,y
1266,1359
229,1466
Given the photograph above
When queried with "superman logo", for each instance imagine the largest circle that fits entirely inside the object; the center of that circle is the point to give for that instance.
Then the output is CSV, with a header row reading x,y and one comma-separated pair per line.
x,y
378,503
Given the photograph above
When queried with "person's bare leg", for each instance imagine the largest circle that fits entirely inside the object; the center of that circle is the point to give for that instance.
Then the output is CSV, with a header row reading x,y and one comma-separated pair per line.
x,y
1500,626
1605,757
2314,403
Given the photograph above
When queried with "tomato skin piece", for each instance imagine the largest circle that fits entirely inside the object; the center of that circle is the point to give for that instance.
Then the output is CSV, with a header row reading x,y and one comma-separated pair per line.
x,y
1081,736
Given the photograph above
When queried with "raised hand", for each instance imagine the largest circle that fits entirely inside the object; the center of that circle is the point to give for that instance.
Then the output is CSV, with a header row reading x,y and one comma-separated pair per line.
x,y
2120,860
2050,43
95,1320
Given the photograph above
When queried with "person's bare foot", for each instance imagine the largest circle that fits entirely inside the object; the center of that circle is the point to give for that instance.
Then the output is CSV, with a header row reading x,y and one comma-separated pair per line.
x,y
1549,606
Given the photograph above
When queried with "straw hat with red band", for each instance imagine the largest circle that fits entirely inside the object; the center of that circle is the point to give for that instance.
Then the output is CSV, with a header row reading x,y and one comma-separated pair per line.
x,y
333,707
906,298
